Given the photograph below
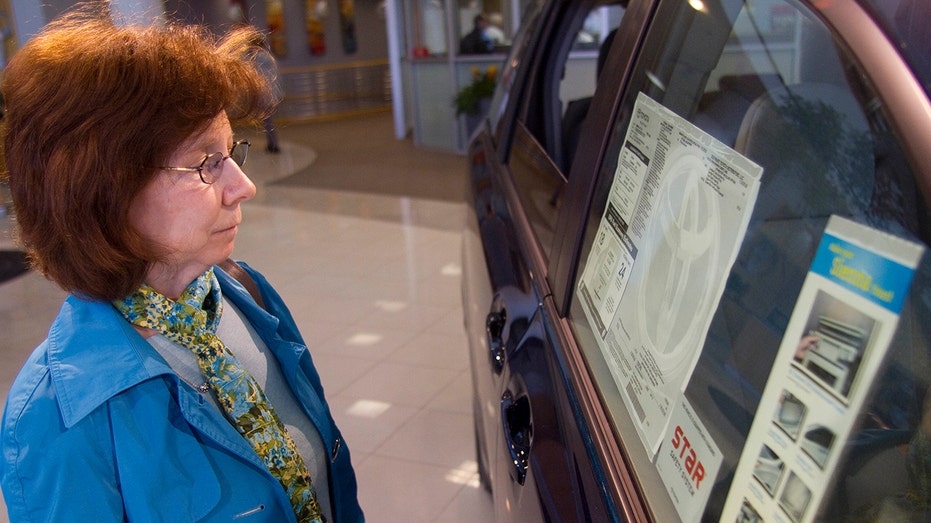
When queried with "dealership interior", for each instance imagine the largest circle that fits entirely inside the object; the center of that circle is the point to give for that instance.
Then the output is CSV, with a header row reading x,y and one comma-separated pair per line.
x,y
360,232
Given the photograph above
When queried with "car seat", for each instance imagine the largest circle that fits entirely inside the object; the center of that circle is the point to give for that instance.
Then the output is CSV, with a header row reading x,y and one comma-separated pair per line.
x,y
815,147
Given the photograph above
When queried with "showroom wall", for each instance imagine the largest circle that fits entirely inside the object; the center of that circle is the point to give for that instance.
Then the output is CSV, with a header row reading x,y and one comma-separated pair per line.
x,y
332,77
370,31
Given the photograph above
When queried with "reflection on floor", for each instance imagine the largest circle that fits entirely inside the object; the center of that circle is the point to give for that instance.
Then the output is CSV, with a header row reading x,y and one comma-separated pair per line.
x,y
373,279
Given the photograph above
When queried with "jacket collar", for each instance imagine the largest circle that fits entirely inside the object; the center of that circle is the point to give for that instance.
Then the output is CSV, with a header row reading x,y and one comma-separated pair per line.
x,y
236,293
94,353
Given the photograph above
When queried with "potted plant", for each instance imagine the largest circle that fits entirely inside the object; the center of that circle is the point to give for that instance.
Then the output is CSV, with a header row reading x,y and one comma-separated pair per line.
x,y
473,99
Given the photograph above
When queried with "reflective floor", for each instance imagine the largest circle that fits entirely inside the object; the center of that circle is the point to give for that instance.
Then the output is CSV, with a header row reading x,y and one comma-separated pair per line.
x,y
371,272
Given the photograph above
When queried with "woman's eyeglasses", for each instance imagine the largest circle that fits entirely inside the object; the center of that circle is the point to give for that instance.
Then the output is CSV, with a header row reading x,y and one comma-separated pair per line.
x,y
212,165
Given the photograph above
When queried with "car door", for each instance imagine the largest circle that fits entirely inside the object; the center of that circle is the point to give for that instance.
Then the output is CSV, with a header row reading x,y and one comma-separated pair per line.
x,y
530,445
820,99
496,289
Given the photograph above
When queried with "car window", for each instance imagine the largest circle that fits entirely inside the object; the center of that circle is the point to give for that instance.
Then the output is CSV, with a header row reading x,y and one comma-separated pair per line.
x,y
557,98
580,76
508,73
568,74
746,144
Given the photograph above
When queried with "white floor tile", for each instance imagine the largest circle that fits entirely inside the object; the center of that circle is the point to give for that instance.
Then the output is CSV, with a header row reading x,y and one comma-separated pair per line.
x,y
435,351
404,385
472,504
367,423
394,490
456,397
338,372
433,437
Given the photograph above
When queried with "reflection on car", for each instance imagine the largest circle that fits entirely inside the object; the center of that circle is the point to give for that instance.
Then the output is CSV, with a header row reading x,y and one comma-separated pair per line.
x,y
647,268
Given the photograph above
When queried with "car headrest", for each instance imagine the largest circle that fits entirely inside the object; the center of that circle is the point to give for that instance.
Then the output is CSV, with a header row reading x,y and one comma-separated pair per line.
x,y
814,144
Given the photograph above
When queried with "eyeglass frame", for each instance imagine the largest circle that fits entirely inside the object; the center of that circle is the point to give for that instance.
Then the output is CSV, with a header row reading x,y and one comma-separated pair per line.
x,y
203,163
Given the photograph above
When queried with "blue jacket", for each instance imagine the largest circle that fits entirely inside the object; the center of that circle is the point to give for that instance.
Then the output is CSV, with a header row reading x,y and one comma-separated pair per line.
x,y
97,427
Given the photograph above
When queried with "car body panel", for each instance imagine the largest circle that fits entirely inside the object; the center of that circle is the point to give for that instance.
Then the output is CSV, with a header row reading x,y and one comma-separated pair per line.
x,y
539,391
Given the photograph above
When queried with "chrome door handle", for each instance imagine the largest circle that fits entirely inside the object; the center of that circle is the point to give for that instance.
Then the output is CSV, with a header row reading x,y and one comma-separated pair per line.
x,y
494,329
518,433
506,323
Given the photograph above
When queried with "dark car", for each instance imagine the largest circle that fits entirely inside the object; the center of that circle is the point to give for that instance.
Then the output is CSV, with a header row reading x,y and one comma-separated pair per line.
x,y
695,284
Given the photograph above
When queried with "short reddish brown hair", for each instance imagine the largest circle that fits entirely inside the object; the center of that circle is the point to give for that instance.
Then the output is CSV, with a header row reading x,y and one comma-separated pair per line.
x,y
91,109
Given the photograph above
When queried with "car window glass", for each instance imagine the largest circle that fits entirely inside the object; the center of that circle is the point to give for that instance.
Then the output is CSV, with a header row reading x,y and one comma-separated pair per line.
x,y
508,72
539,185
580,75
767,80
537,154
597,24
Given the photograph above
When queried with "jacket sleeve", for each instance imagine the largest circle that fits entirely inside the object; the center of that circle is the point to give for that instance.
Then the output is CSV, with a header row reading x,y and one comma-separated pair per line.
x,y
53,473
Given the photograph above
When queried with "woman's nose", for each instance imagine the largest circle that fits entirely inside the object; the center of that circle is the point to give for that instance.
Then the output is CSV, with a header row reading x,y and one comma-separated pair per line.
x,y
239,187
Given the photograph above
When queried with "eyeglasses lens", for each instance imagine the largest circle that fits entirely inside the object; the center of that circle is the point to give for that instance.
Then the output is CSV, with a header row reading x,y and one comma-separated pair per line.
x,y
213,164
239,152
211,168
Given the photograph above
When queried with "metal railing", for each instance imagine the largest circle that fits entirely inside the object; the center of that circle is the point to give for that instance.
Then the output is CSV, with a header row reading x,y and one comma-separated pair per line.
x,y
332,91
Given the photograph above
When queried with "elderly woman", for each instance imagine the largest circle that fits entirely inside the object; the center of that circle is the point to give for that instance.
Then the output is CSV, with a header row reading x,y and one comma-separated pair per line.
x,y
166,391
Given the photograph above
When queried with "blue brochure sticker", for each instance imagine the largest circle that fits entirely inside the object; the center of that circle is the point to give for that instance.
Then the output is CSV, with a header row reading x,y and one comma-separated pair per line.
x,y
864,272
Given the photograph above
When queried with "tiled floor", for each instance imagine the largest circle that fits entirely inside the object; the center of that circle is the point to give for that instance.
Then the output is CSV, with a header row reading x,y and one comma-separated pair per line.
x,y
373,280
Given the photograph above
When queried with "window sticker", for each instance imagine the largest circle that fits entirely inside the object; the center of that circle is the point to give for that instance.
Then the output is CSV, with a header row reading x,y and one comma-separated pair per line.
x,y
676,214
688,462
836,340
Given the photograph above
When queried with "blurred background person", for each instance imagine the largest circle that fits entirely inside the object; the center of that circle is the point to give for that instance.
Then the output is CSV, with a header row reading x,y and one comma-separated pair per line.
x,y
494,32
268,66
477,42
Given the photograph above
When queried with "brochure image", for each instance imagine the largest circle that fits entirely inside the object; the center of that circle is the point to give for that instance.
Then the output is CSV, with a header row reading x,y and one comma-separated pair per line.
x,y
818,442
834,345
768,469
790,414
795,497
748,514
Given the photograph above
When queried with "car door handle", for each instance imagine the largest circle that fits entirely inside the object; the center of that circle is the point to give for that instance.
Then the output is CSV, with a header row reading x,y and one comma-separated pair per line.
x,y
518,433
506,323
494,329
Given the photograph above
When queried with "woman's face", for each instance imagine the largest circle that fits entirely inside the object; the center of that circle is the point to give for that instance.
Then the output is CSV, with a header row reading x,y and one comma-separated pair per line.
x,y
195,223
